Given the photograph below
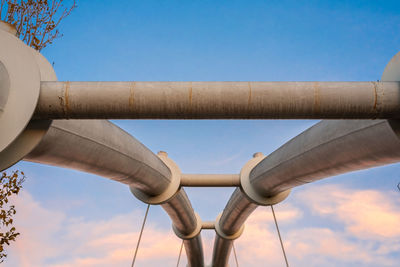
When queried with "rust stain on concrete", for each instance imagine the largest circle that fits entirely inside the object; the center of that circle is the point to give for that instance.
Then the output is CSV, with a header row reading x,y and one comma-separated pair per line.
x,y
378,98
190,95
375,95
132,95
65,99
317,100
249,100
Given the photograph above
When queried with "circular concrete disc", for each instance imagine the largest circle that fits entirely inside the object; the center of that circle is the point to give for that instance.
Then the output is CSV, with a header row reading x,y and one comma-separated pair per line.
x,y
36,129
392,74
24,88
4,87
392,70
24,78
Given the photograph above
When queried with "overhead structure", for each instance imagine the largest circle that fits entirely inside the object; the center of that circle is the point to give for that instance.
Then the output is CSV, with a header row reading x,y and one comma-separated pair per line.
x,y
96,146
218,100
34,106
100,147
329,148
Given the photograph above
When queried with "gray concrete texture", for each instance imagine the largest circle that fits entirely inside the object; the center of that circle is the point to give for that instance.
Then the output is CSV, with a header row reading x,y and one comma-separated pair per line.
x,y
218,100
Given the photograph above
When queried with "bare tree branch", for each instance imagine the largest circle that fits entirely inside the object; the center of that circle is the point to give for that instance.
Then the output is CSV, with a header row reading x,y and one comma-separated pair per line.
x,y
10,184
36,22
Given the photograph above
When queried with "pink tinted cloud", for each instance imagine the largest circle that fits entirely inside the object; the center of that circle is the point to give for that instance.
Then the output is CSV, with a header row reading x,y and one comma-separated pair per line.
x,y
371,235
50,238
367,214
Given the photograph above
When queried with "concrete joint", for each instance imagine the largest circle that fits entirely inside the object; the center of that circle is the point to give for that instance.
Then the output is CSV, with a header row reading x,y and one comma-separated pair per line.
x,y
248,189
223,235
170,191
193,234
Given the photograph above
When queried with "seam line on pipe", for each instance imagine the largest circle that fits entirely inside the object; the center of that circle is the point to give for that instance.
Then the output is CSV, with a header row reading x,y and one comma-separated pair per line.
x,y
67,86
64,99
132,95
89,139
309,150
190,96
337,164
317,105
249,100
379,93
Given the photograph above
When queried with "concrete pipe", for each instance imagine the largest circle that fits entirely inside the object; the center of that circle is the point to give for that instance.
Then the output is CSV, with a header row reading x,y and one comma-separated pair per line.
x,y
97,147
326,149
101,148
218,100
329,148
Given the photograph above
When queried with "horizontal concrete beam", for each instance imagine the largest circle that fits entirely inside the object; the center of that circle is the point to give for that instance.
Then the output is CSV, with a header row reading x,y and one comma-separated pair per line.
x,y
218,100
208,225
210,180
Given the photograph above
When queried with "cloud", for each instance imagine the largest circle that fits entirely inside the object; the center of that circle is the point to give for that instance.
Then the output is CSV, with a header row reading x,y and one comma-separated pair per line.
x,y
50,238
367,214
327,247
369,236
29,222
285,212
360,228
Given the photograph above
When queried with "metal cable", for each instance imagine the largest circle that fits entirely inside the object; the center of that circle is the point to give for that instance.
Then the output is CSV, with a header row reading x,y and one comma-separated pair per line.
x,y
234,253
279,234
140,235
180,253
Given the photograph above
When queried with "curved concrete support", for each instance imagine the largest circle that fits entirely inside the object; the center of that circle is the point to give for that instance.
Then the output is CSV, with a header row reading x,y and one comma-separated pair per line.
x,y
328,148
221,251
232,235
97,147
236,211
187,226
194,251
100,147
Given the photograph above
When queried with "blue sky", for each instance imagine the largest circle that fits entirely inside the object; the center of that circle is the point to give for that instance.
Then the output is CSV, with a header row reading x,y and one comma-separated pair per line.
x,y
216,41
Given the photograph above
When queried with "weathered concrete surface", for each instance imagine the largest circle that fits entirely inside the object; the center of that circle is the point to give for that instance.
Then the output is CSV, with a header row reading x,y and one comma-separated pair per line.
x,y
328,148
218,100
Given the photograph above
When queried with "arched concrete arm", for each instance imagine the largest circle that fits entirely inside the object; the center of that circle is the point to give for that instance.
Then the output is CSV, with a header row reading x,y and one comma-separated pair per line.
x,y
100,147
328,148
